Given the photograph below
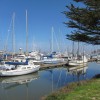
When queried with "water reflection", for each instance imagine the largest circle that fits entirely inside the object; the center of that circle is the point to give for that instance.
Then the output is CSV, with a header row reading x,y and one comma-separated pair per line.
x,y
98,62
78,72
19,79
10,87
62,76
12,82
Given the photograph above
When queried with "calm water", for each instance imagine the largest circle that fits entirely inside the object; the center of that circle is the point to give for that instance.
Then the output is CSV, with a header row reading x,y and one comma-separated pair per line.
x,y
36,85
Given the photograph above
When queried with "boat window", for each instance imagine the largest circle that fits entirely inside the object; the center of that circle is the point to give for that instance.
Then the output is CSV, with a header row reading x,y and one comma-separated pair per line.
x,y
24,68
28,67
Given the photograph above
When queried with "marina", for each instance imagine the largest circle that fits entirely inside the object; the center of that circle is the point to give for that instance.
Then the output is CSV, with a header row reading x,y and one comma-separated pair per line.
x,y
42,52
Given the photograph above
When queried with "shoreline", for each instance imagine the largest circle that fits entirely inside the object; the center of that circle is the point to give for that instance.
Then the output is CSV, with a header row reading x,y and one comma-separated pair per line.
x,y
82,90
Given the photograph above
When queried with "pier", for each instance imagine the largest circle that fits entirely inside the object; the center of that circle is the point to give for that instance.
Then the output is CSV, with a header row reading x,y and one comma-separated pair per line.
x,y
47,66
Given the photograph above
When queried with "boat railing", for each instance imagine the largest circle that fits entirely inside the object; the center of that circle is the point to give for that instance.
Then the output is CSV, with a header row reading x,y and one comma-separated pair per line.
x,y
17,63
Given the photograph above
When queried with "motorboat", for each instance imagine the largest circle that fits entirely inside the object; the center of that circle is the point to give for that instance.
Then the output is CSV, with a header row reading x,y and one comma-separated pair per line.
x,y
18,68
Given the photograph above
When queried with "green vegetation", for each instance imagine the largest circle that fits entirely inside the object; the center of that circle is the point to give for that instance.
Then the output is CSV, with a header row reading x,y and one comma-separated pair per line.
x,y
85,90
85,20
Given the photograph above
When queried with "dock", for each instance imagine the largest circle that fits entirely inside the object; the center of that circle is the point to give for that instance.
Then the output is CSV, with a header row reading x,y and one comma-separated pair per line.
x,y
47,66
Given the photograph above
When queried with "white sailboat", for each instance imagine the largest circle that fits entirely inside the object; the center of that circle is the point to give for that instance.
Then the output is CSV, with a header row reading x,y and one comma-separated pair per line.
x,y
53,57
79,60
19,68
16,68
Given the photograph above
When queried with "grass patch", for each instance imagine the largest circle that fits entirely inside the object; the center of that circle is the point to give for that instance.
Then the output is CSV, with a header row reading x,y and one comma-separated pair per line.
x,y
84,90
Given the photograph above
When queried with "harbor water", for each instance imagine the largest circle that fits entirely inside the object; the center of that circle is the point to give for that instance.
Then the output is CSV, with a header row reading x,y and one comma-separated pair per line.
x,y
36,85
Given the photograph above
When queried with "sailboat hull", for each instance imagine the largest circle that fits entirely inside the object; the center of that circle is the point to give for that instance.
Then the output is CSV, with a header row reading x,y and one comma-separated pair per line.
x,y
19,71
77,63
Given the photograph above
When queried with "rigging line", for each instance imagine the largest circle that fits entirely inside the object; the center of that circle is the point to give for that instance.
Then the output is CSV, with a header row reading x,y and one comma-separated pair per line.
x,y
34,46
59,41
62,39
56,41
5,48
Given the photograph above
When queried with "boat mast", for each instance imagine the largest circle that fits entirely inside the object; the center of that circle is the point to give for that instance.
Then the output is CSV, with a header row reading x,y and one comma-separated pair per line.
x,y
52,40
72,49
13,35
78,50
26,34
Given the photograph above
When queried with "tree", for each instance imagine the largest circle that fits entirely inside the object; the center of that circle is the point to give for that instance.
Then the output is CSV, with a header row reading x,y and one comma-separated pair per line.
x,y
85,20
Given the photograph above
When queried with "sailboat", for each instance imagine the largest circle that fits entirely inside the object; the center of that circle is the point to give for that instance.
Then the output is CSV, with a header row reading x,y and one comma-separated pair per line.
x,y
53,57
19,68
79,60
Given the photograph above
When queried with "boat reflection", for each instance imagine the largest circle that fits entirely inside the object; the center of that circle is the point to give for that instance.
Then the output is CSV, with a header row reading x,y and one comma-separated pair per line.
x,y
79,73
17,83
20,79
98,62
77,70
